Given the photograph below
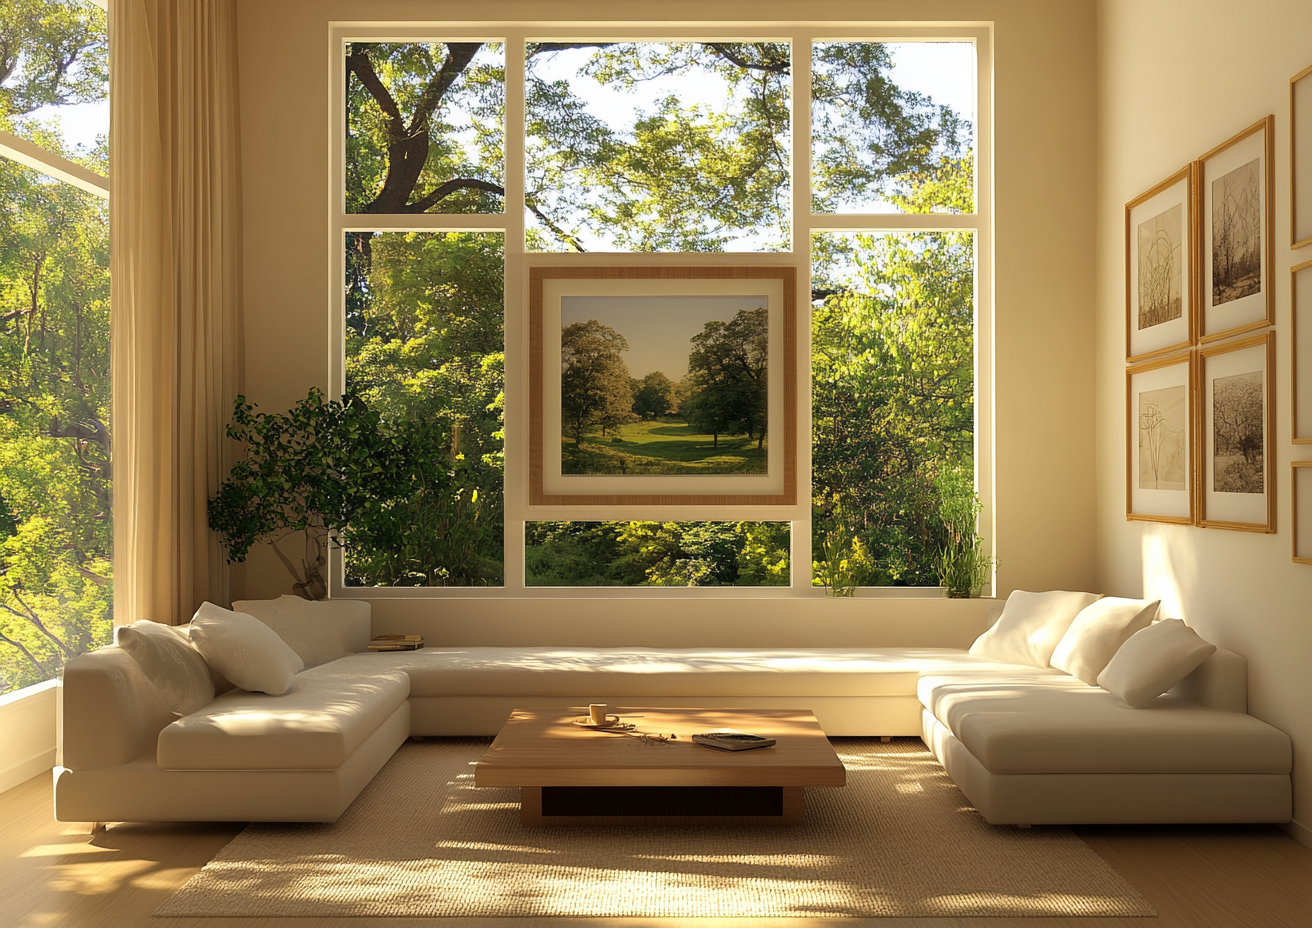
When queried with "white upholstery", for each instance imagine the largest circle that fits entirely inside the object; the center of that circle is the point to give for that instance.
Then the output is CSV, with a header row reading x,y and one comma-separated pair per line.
x,y
1030,626
318,631
245,650
1152,661
1098,632
331,712
168,660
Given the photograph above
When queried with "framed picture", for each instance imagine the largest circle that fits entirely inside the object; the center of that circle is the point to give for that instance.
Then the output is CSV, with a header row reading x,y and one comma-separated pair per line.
x,y
1301,505
1236,430
1235,187
1159,268
1159,472
1300,158
1300,332
662,386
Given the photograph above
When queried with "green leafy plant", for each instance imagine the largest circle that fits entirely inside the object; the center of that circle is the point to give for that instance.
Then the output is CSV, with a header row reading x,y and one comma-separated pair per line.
x,y
963,564
313,470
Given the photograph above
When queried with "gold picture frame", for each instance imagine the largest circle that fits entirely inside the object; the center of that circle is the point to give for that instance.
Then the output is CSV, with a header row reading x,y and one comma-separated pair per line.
x,y
1159,440
649,298
1300,511
1234,461
1300,339
1236,226
1160,275
1300,158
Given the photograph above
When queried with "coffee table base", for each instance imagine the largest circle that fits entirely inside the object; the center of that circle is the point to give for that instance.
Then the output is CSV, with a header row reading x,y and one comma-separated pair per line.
x,y
661,805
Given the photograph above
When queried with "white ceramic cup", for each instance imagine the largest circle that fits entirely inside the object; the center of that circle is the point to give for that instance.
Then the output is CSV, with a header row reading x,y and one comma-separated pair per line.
x,y
597,711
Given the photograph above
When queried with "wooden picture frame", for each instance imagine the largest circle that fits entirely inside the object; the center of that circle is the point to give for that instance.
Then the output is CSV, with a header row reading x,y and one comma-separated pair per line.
x,y
1300,510
662,308
1300,158
1236,192
1159,440
1235,429
1160,275
1300,353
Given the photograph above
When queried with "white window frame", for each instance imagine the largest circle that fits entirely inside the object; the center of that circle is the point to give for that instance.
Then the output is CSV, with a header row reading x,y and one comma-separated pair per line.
x,y
801,36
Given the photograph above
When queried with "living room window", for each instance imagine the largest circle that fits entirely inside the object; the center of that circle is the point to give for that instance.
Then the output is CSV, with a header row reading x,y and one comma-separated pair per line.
x,y
469,158
56,524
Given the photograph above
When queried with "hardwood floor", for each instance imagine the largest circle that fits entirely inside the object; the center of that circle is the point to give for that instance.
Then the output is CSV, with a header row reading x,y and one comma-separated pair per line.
x,y
1195,876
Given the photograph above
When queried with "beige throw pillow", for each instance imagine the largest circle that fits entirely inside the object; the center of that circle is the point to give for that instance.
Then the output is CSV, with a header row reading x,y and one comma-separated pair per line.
x,y
1098,632
245,650
168,660
1152,661
1030,626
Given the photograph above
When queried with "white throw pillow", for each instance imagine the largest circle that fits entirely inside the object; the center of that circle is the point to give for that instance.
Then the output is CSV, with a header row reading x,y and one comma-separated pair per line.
x,y
1098,632
1153,660
1030,626
245,650
168,660
318,631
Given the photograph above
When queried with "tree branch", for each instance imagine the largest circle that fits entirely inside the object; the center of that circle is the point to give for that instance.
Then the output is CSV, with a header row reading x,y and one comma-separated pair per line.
x,y
774,67
26,653
532,205
447,188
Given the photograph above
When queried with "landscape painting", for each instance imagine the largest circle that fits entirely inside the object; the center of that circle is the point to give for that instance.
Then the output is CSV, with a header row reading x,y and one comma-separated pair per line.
x,y
1161,251
1237,233
664,385
1162,435
1238,435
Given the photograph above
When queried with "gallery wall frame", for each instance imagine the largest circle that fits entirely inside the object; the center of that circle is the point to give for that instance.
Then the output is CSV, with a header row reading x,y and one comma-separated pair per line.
x,y
1161,239
1300,158
1300,353
657,303
1235,427
1160,441
1300,506
1236,195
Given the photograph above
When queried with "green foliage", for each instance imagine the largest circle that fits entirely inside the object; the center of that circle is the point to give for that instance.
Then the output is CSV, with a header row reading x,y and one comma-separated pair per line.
x,y
595,386
728,368
653,396
56,523
52,52
892,390
963,565
656,553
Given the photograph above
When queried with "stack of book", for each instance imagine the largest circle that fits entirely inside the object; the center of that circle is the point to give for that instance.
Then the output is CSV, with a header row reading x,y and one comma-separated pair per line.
x,y
397,643
729,739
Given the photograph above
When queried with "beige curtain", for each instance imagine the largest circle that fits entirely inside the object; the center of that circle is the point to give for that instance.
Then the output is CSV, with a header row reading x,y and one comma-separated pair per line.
x,y
175,233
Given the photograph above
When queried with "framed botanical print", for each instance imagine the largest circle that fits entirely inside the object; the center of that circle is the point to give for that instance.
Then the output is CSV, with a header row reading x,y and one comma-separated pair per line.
x,y
1236,431
1235,186
1159,471
1300,158
662,386
1159,268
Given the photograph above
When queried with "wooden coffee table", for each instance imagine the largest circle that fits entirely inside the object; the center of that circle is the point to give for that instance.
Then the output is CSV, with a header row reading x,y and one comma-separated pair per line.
x,y
569,775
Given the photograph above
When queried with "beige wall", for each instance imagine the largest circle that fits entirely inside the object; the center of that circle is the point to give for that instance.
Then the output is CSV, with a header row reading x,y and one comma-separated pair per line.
x,y
1044,151
1174,80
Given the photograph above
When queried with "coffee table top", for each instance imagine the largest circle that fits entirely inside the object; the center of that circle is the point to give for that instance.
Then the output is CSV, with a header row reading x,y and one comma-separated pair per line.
x,y
541,747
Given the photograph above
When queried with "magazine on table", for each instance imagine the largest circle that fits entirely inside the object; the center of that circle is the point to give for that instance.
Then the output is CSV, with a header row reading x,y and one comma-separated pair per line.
x,y
730,739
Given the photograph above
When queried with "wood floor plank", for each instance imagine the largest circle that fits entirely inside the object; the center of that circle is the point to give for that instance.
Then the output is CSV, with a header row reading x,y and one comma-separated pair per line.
x,y
1195,876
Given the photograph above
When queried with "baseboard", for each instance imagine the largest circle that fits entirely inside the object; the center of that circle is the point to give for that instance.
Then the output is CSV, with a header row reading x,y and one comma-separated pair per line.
x,y
24,770
1298,831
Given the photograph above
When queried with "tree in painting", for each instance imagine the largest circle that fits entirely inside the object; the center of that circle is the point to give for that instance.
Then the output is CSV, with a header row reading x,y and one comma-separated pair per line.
x,y
1237,234
1162,455
1160,254
1238,431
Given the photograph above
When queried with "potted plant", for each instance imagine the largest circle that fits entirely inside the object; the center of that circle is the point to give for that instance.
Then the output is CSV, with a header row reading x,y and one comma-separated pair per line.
x,y
310,471
963,564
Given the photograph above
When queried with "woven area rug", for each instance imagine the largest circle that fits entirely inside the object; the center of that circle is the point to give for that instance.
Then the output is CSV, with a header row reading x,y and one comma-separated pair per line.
x,y
898,840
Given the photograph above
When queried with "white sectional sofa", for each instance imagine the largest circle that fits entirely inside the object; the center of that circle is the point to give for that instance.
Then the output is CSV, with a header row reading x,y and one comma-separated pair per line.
x,y
1025,744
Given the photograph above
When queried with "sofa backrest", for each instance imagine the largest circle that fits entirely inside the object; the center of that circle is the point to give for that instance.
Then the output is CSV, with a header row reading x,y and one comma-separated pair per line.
x,y
1220,682
318,631
111,714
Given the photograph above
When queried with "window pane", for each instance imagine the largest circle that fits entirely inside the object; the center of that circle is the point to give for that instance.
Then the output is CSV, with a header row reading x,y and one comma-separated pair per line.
x,y
658,146
893,397
55,92
656,553
424,349
56,523
891,120
425,127
664,385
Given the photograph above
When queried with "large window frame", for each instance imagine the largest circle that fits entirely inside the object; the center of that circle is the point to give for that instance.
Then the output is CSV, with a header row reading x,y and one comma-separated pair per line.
x,y
518,262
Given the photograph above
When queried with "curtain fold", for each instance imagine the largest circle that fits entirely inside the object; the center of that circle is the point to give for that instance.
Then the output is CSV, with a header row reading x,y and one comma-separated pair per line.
x,y
175,229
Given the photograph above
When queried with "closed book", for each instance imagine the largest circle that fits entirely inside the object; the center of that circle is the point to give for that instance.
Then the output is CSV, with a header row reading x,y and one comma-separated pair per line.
x,y
729,739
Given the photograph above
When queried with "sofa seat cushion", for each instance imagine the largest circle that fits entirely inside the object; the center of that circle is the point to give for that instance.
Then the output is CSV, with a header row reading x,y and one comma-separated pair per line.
x,y
1035,723
331,711
653,673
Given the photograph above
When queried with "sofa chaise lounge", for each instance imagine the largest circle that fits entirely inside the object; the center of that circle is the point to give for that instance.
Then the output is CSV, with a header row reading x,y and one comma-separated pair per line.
x,y
1025,744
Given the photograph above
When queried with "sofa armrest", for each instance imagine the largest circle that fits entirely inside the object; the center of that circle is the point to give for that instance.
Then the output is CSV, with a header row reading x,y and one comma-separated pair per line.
x,y
1220,682
111,714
